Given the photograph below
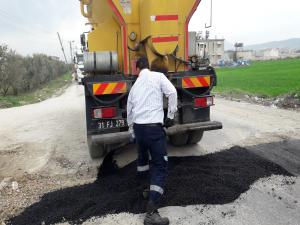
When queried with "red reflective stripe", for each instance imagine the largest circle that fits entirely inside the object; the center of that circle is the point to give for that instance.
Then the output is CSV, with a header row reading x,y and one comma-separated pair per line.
x,y
118,87
164,39
202,81
188,82
101,89
166,17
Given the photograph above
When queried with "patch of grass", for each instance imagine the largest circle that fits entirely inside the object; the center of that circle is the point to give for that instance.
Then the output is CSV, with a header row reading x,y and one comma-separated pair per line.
x,y
42,93
266,78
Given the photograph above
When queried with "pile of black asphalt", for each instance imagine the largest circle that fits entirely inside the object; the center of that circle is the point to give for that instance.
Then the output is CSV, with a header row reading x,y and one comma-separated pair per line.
x,y
217,178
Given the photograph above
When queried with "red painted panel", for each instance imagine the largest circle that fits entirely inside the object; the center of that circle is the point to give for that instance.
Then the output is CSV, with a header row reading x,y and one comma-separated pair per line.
x,y
164,39
166,17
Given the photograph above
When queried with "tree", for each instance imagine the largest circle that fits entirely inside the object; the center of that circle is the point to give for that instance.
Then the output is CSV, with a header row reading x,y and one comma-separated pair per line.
x,y
15,71
28,76
4,83
23,74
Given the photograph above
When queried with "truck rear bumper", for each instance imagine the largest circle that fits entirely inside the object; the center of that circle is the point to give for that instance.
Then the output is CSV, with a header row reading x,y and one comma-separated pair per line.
x,y
114,138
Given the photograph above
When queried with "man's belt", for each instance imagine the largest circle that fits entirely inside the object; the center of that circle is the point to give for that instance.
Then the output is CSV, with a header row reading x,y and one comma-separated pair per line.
x,y
149,125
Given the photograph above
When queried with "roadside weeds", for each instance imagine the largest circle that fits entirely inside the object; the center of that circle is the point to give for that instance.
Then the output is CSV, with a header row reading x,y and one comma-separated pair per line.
x,y
289,101
53,88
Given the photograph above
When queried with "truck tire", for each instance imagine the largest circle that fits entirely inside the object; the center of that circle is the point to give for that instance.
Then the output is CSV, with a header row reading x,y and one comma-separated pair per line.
x,y
194,137
96,151
179,139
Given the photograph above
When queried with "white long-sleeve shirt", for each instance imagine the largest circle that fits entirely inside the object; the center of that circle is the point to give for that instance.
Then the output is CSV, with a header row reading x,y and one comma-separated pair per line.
x,y
145,100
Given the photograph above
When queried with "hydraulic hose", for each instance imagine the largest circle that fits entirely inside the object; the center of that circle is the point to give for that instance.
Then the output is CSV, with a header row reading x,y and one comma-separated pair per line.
x,y
180,60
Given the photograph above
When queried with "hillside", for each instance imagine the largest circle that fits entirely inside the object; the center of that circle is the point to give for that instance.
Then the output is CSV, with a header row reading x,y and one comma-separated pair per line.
x,y
289,43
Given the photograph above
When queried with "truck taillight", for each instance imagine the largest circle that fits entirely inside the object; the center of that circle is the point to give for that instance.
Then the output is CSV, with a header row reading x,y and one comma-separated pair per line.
x,y
204,102
102,113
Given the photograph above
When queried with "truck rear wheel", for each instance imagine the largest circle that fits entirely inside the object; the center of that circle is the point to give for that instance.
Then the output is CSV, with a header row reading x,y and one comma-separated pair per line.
x,y
179,139
195,136
96,150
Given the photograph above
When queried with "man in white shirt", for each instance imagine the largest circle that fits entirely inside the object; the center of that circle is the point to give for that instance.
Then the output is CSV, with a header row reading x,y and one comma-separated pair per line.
x,y
145,115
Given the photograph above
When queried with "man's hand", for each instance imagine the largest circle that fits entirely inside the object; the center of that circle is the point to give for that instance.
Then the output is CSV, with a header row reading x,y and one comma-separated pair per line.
x,y
169,123
132,136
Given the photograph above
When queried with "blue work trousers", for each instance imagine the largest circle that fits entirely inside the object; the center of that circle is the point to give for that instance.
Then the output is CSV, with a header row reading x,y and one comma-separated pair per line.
x,y
152,139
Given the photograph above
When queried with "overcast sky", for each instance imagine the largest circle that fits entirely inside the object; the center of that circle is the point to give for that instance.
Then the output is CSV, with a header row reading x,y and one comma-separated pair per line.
x,y
30,26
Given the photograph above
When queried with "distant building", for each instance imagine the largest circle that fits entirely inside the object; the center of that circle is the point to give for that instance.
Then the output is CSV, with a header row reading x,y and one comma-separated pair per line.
x,y
229,56
211,48
272,53
239,54
245,55
289,53
206,48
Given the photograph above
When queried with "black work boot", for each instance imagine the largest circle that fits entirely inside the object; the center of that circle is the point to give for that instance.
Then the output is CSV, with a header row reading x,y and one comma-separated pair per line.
x,y
153,217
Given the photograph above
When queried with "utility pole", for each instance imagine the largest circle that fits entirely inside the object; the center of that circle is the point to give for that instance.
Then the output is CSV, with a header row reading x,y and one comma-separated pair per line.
x,y
211,15
62,47
71,50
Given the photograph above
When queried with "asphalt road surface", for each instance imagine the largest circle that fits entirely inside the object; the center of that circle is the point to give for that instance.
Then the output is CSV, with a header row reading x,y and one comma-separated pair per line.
x,y
246,173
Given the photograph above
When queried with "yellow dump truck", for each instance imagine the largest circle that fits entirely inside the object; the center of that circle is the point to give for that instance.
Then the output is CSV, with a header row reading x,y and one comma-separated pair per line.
x,y
124,30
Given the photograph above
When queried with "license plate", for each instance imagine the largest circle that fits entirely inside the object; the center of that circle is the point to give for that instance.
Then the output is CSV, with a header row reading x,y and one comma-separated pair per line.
x,y
109,124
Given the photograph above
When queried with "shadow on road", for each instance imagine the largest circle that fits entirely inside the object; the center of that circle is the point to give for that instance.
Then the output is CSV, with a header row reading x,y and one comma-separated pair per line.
x,y
217,178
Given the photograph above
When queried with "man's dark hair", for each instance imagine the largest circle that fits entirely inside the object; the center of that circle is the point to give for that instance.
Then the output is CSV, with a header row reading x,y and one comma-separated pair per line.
x,y
159,65
142,63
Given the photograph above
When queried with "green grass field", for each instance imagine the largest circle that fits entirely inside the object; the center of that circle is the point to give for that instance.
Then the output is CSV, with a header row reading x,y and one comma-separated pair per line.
x,y
42,93
266,78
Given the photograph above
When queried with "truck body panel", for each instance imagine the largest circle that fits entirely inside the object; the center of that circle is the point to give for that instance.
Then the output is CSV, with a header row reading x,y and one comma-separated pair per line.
x,y
125,30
